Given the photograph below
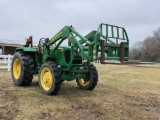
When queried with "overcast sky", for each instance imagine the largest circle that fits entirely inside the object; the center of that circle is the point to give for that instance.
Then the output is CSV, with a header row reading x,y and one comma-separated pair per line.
x,y
44,18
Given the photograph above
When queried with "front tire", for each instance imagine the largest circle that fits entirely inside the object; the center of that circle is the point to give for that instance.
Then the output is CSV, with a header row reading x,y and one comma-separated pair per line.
x,y
22,69
90,82
50,78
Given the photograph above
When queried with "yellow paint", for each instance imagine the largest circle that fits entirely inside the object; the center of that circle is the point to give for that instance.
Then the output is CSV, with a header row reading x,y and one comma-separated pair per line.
x,y
58,34
83,82
60,48
16,68
46,78
65,28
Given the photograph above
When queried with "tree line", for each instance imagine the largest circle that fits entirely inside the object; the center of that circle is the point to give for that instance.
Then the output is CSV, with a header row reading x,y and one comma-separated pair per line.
x,y
147,50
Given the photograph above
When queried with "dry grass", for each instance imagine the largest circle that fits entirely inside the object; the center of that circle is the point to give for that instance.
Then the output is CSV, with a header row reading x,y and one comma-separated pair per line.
x,y
123,92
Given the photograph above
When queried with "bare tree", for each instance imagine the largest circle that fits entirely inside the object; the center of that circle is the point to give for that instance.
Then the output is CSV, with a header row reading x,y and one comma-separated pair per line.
x,y
148,50
135,51
156,37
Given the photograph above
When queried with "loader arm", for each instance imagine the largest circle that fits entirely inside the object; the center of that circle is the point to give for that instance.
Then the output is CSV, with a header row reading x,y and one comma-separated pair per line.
x,y
69,33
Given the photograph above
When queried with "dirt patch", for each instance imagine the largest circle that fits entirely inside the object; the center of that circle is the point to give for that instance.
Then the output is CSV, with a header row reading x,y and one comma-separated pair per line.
x,y
89,111
46,116
147,103
9,105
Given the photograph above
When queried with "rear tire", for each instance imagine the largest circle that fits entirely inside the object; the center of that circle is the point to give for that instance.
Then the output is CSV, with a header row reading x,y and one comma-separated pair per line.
x,y
50,78
91,79
22,69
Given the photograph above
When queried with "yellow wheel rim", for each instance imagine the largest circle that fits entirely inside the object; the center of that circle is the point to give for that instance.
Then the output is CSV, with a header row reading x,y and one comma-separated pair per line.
x,y
46,78
83,82
16,68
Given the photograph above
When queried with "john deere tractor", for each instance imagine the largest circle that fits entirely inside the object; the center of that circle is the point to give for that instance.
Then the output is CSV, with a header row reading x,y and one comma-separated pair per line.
x,y
54,63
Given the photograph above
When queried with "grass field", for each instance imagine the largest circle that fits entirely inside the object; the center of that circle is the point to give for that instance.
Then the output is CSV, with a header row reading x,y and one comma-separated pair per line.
x,y
123,92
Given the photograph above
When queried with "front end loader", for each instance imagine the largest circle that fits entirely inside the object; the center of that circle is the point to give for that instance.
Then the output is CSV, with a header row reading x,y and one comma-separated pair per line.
x,y
54,63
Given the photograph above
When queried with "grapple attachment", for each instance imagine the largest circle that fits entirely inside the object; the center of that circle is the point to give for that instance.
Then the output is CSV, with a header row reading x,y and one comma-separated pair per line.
x,y
112,43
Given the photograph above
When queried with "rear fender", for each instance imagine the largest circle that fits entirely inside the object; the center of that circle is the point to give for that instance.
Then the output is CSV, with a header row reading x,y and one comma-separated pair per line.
x,y
26,49
33,52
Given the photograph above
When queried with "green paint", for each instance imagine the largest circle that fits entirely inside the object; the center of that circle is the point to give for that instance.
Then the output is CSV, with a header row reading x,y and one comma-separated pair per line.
x,y
26,49
82,48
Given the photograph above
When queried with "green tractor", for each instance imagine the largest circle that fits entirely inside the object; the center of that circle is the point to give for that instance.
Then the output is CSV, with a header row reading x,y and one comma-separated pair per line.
x,y
54,63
